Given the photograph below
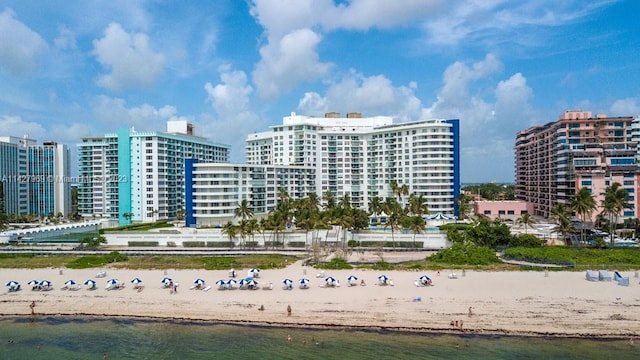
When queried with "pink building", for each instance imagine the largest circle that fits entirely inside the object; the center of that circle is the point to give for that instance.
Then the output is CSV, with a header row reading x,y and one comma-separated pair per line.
x,y
555,160
506,209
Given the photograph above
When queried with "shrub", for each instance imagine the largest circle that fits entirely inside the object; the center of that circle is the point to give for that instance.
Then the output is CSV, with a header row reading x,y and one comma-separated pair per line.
x,y
219,244
336,264
460,254
142,243
296,244
526,240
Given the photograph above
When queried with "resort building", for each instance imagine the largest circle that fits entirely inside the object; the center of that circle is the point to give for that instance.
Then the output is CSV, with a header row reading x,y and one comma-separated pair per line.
x,y
504,209
137,176
214,190
359,156
35,177
555,160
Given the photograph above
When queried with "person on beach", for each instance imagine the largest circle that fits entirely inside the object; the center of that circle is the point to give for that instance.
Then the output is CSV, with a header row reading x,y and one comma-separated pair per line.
x,y
288,310
470,311
33,306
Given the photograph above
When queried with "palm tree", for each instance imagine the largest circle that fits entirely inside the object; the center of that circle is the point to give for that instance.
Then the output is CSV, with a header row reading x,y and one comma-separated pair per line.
x,y
614,202
561,216
526,220
464,206
127,216
394,214
244,210
583,204
230,230
416,225
417,205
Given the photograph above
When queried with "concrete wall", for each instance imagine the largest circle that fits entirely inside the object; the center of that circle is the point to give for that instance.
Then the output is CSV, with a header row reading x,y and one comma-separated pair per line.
x,y
433,239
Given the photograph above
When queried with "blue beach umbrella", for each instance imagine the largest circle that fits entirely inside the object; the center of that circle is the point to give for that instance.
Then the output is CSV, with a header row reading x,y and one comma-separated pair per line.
x,y
221,283
254,272
231,283
112,283
136,281
252,284
424,279
351,278
287,283
33,283
12,283
330,280
45,283
198,281
70,283
90,283
383,278
304,283
166,281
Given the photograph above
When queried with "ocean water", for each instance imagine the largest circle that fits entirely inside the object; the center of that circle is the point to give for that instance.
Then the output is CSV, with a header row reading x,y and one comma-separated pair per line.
x,y
115,338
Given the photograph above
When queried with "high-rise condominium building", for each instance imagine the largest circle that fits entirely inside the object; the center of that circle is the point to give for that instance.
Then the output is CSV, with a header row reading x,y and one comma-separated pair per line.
x,y
139,175
35,178
359,156
555,160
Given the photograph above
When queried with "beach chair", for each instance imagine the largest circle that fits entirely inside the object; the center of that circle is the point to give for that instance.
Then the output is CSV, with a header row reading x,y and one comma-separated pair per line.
x,y
101,274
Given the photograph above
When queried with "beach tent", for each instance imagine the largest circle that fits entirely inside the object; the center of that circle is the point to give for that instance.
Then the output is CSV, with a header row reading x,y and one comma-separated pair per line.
x,y
622,280
603,275
592,275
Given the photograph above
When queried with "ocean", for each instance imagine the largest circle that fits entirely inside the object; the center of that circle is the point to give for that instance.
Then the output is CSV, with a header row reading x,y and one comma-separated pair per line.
x,y
116,338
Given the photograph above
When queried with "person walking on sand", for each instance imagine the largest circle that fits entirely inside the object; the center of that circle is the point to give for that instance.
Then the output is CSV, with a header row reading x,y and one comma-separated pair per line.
x,y
470,311
33,306
288,310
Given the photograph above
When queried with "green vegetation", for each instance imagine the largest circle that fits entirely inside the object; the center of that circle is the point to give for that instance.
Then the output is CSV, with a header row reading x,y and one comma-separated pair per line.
x,y
139,227
470,254
142,243
492,191
335,264
87,262
580,258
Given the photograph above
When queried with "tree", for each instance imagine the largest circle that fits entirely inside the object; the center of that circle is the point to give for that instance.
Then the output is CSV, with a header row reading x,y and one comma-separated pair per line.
x,y
244,210
416,225
92,242
526,220
583,204
561,216
127,216
464,206
614,202
230,230
394,214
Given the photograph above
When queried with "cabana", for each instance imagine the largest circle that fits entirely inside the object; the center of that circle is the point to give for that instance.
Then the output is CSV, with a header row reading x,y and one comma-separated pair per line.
x,y
603,275
592,275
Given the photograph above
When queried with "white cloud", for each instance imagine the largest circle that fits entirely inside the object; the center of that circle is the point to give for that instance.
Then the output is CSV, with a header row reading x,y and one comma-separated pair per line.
x,y
625,107
495,110
20,46
132,62
16,126
288,61
235,120
66,39
375,95
115,113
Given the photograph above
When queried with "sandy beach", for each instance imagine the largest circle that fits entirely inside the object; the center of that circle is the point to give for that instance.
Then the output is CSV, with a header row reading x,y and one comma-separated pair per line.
x,y
517,303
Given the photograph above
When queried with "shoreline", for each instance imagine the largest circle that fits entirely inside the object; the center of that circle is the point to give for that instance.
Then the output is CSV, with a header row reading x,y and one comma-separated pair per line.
x,y
280,325
514,303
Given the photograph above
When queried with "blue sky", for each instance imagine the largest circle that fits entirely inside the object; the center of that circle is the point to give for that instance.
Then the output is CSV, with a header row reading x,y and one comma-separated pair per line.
x,y
72,69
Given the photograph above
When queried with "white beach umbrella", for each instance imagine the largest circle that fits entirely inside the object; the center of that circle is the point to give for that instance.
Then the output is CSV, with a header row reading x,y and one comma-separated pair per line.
x,y
112,283
287,284
304,283
382,279
70,283
45,283
91,284
254,272
231,283
136,281
330,281
13,285
221,284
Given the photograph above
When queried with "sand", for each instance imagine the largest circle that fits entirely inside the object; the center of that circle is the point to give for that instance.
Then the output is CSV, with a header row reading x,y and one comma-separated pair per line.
x,y
515,303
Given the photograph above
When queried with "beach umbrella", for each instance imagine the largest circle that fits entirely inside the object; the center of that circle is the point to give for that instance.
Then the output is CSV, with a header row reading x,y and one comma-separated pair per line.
x,y
90,283
382,279
198,282
45,283
304,283
221,283
112,283
166,281
330,280
33,283
231,283
425,279
351,278
70,283
254,272
12,284
136,281
287,283
252,284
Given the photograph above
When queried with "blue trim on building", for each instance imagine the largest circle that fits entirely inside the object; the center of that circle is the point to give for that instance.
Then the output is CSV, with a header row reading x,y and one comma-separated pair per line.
x,y
190,219
455,134
124,175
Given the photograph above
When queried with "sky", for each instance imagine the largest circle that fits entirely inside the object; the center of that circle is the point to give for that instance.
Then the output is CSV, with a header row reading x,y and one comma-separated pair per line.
x,y
78,68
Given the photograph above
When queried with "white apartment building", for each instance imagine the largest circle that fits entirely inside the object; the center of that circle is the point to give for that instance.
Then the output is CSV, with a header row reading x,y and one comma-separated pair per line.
x,y
214,190
359,156
138,176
